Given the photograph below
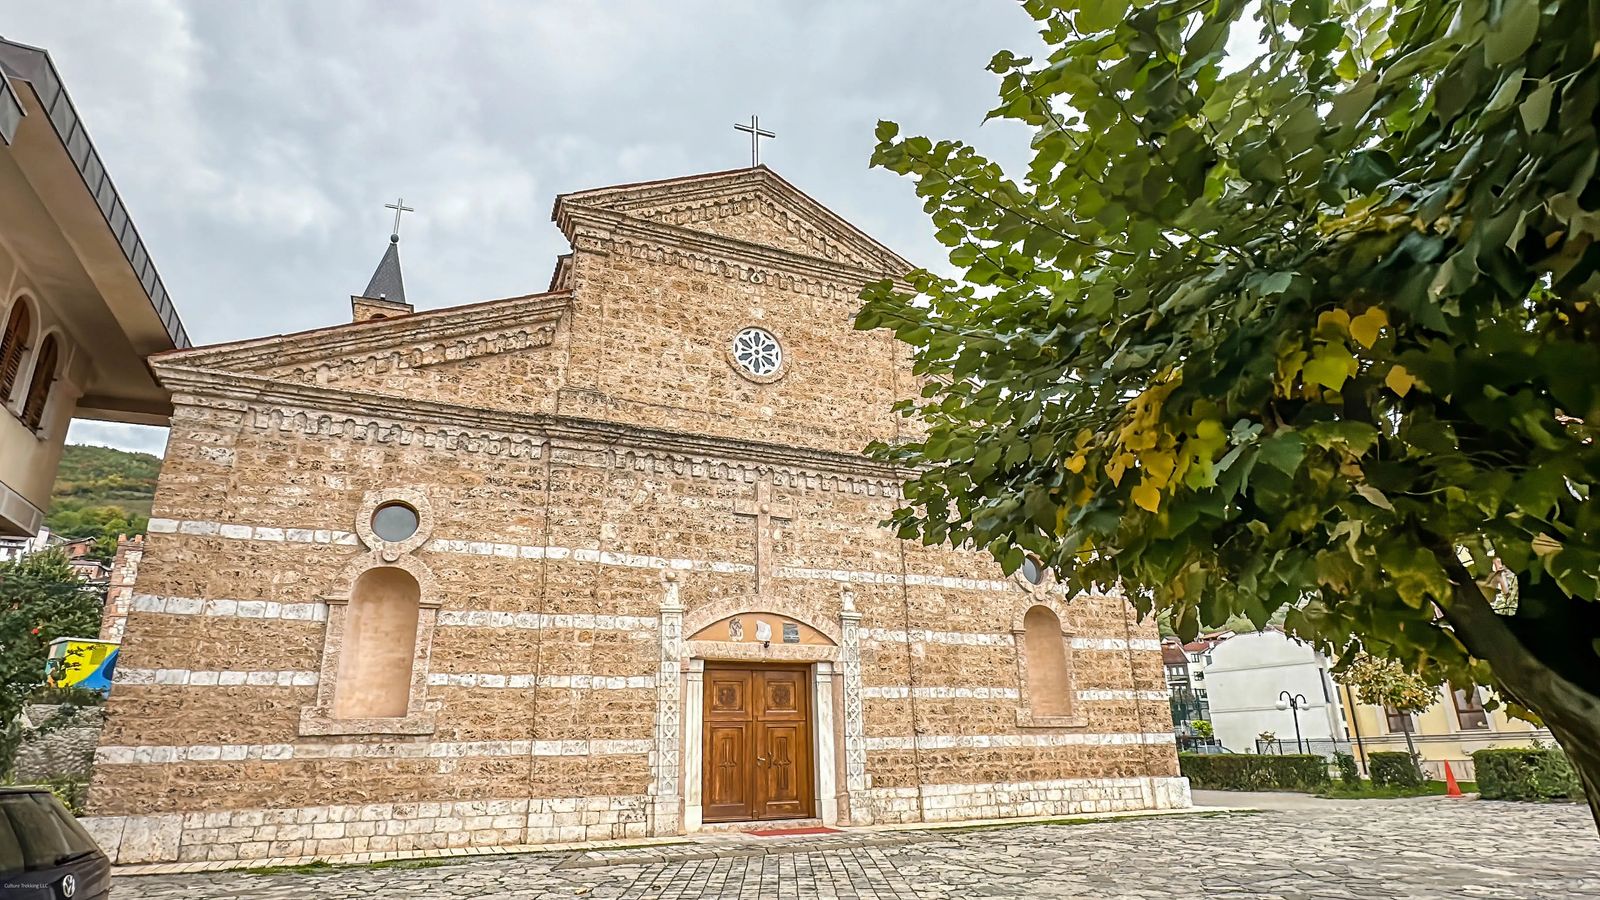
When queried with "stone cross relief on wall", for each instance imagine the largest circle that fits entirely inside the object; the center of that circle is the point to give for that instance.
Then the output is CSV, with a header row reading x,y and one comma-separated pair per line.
x,y
765,513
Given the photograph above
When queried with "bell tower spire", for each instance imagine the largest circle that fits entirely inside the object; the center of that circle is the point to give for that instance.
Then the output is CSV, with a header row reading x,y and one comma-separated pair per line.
x,y
385,295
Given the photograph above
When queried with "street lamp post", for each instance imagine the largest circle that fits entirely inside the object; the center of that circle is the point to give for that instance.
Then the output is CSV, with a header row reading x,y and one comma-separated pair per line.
x,y
1294,702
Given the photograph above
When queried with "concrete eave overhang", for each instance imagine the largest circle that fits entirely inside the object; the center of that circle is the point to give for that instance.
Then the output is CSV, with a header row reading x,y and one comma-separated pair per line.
x,y
92,263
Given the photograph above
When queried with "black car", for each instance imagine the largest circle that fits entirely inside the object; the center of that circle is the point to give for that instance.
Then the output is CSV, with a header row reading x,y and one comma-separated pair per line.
x,y
44,853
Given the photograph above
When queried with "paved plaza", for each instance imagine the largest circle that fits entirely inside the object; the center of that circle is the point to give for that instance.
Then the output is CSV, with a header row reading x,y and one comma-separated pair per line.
x,y
1295,849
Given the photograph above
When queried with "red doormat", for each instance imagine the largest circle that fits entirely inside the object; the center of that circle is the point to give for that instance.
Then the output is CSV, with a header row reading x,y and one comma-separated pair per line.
x,y
786,832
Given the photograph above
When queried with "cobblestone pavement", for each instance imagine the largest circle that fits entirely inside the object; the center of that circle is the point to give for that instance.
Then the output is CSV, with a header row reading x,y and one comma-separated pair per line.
x,y
1330,851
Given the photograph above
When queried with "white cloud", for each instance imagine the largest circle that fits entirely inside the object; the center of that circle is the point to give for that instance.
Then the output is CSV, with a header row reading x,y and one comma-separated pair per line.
x,y
256,143
143,438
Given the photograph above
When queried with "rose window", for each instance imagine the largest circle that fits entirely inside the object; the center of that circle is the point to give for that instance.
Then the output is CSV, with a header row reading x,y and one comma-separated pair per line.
x,y
757,352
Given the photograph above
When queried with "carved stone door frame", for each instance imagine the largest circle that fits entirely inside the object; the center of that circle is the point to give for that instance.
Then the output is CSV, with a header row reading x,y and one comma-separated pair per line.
x,y
838,745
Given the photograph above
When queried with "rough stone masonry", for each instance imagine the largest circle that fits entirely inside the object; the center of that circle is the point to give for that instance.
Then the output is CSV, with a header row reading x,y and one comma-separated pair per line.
x,y
462,576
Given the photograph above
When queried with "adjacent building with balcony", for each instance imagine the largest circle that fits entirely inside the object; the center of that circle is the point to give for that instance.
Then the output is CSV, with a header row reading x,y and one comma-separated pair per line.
x,y
81,304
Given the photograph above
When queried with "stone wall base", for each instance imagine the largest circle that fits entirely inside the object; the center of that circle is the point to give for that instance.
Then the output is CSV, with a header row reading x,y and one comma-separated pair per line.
x,y
329,831
1007,800
252,834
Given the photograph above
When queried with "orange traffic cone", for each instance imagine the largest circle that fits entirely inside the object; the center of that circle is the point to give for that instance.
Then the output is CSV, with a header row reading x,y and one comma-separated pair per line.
x,y
1451,789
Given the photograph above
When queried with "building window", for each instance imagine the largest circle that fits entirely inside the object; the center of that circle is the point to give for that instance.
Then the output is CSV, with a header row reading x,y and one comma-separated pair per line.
x,y
1031,570
44,375
757,352
1397,722
1049,682
1469,711
13,344
395,521
380,645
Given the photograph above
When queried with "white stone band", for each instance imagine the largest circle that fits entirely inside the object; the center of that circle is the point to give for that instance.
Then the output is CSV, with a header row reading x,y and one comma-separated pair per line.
x,y
990,639
210,678
202,528
242,609
318,612
983,741
1085,643
927,636
478,618
997,693
573,682
1151,696
115,755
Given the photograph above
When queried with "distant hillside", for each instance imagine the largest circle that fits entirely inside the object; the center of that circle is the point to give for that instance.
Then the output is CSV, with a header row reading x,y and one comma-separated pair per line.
x,y
101,492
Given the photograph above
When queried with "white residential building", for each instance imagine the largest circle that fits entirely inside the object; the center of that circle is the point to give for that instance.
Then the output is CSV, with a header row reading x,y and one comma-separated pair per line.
x,y
1245,680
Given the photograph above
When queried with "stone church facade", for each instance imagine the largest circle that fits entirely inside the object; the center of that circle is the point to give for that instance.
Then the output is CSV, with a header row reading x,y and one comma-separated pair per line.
x,y
600,562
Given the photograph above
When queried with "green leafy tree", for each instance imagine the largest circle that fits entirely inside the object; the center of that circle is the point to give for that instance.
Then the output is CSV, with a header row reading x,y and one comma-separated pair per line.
x,y
1203,729
1384,682
101,493
1315,329
40,600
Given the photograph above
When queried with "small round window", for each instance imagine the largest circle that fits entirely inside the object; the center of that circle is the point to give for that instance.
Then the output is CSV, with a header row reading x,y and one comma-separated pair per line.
x,y
394,522
1031,571
757,352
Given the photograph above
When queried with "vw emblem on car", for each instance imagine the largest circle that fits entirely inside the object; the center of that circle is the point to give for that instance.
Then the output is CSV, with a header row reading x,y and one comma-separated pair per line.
x,y
69,886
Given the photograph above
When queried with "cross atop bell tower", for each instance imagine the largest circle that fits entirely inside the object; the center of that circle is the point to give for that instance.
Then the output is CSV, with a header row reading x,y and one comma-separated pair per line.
x,y
386,283
385,295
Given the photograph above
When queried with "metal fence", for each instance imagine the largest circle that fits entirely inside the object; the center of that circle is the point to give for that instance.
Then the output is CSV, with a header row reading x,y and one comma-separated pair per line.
x,y
1324,747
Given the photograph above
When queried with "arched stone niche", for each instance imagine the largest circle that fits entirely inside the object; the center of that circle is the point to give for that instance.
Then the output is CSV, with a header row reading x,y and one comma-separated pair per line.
x,y
1046,679
375,652
380,640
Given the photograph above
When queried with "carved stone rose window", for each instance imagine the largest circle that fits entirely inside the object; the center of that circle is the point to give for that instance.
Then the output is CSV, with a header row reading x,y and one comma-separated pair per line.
x,y
757,355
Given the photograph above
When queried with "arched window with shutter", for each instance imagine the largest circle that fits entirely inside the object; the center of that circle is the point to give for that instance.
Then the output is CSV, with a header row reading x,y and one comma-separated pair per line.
x,y
44,375
13,344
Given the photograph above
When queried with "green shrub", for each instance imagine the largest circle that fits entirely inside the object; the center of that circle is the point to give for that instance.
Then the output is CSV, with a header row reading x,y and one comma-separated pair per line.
x,y
1348,773
1250,772
1525,773
1394,768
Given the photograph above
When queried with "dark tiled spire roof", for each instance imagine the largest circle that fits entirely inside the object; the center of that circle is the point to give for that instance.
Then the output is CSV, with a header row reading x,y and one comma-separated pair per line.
x,y
386,282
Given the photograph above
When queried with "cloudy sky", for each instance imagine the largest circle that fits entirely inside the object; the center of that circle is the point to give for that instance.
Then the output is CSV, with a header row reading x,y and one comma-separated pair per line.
x,y
256,143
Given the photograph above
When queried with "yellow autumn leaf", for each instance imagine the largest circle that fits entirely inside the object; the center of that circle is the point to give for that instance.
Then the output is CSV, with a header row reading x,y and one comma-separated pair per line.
x,y
1336,319
1399,380
1366,327
1076,462
1331,366
1157,467
1289,366
1115,467
1147,495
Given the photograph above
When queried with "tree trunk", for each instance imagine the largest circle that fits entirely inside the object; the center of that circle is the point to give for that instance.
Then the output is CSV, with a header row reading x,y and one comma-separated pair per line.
x,y
1570,712
1411,748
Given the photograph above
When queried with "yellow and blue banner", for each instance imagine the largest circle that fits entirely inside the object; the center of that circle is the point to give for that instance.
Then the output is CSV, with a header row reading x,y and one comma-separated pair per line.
x,y
82,663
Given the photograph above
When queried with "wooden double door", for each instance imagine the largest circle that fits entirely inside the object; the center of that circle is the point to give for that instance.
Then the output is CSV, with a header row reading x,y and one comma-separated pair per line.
x,y
757,751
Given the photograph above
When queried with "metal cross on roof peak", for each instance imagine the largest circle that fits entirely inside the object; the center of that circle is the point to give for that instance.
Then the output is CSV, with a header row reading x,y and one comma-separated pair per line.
x,y
399,206
756,134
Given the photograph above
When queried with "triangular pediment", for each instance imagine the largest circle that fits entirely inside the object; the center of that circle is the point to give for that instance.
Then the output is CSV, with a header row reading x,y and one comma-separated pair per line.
x,y
357,352
754,206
